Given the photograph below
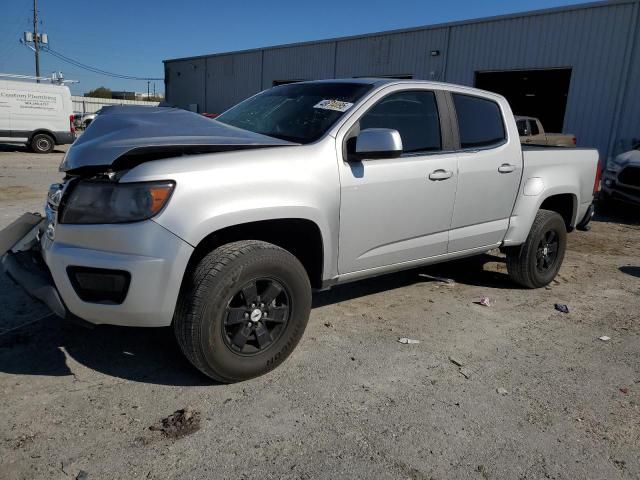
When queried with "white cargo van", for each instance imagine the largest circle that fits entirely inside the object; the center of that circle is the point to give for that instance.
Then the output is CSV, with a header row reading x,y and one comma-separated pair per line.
x,y
39,115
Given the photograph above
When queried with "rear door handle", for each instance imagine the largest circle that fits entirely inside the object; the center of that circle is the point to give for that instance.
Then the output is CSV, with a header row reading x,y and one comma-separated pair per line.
x,y
506,168
440,174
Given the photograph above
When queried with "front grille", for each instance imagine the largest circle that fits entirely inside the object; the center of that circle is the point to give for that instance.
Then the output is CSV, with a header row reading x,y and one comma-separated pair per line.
x,y
630,176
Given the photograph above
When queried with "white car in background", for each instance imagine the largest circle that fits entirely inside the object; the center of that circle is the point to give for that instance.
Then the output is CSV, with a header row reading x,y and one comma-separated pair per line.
x,y
39,115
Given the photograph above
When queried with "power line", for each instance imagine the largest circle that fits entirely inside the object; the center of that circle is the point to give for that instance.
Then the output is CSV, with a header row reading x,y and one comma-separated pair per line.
x,y
99,71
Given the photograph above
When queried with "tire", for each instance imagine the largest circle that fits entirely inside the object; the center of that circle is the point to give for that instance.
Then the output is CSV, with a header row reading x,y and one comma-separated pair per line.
x,y
42,143
211,323
533,266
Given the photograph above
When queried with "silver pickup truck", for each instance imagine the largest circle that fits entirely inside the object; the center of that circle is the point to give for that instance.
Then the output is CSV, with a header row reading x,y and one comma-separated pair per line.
x,y
222,228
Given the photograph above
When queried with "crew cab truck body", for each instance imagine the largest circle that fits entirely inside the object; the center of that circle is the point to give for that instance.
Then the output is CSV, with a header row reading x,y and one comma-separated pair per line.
x,y
223,227
39,115
532,132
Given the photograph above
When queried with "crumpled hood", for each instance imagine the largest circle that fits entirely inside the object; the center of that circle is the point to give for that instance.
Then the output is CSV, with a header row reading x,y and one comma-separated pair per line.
x,y
630,157
136,130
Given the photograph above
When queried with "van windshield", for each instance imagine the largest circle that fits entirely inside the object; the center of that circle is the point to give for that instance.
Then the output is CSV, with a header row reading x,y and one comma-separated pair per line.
x,y
300,113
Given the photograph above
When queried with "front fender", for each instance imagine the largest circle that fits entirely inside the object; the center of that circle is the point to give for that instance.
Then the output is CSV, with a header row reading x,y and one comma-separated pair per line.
x,y
216,191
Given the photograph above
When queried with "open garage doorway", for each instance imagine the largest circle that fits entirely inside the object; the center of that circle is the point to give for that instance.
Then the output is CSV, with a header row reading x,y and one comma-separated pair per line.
x,y
535,93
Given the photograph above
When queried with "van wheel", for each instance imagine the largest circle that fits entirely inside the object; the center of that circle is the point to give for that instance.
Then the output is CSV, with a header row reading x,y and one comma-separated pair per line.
x,y
536,263
242,310
42,143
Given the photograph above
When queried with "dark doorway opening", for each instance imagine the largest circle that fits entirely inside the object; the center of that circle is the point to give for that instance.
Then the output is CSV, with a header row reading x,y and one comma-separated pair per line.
x,y
534,93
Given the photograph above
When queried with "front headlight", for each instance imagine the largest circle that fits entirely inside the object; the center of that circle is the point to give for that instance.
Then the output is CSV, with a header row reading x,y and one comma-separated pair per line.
x,y
101,202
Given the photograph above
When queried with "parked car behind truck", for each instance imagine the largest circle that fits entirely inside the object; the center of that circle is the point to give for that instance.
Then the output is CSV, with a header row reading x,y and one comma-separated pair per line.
x,y
39,115
621,179
223,227
532,132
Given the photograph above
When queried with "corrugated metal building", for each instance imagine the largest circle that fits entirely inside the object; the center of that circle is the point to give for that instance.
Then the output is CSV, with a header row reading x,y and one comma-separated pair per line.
x,y
576,67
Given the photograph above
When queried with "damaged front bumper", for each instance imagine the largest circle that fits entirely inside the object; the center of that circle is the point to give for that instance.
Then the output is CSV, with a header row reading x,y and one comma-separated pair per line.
x,y
623,185
120,274
23,264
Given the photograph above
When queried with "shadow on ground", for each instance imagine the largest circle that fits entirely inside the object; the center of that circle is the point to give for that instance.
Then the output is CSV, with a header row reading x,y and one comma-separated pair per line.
x,y
8,147
630,270
148,355
468,271
151,355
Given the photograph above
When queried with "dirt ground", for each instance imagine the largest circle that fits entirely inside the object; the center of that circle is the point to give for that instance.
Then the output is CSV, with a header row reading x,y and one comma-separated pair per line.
x,y
544,397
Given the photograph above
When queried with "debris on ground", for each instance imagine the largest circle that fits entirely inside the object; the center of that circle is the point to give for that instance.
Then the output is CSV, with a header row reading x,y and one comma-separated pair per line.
x,y
328,324
456,361
484,301
179,424
624,391
435,278
502,391
604,338
465,372
406,340
82,475
561,307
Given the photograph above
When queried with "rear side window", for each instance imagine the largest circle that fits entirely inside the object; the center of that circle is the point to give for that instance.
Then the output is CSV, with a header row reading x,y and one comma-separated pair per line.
x,y
479,121
522,127
413,114
534,127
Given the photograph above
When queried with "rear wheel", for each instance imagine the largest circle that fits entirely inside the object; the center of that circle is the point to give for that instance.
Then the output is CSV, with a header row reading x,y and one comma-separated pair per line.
x,y
42,143
242,310
536,263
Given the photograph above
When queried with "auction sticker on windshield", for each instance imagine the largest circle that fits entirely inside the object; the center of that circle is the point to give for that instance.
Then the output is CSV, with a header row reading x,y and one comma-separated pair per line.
x,y
337,105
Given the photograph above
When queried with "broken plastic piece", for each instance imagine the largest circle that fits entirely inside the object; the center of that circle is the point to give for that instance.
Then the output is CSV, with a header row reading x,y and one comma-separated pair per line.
x,y
561,307
485,302
604,338
408,340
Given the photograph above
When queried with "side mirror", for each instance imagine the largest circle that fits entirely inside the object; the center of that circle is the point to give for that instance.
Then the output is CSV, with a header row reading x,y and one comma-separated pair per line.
x,y
378,143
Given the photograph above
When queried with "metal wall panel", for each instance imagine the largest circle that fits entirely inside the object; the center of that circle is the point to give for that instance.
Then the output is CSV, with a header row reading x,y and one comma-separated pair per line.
x,y
232,78
597,41
304,62
626,131
185,82
592,41
393,54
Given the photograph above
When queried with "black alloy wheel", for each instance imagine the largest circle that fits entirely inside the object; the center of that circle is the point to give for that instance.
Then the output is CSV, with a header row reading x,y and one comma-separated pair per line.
x,y
547,252
256,316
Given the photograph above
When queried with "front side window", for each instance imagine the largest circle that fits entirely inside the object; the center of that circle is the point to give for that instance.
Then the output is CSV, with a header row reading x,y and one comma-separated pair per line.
x,y
414,114
301,112
479,121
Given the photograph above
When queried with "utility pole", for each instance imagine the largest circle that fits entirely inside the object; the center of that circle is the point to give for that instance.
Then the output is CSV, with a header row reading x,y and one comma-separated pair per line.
x,y
36,43
148,82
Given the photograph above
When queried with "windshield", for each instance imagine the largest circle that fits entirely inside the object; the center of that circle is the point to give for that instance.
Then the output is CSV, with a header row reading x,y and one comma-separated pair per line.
x,y
299,113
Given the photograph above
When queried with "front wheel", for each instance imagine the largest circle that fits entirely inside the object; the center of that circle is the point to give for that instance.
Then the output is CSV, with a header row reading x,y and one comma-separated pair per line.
x,y
536,263
242,310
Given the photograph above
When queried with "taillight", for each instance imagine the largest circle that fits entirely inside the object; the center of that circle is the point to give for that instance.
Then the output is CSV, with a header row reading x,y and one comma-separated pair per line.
x,y
72,127
575,141
596,183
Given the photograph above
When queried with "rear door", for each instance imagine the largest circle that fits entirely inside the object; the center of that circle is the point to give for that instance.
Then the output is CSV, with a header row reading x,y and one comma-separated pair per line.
x,y
489,171
397,210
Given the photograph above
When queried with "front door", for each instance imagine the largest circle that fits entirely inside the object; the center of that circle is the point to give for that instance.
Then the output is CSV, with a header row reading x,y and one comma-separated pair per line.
x,y
398,209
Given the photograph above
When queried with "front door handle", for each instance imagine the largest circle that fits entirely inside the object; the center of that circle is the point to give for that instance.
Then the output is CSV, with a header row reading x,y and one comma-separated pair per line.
x,y
506,168
440,174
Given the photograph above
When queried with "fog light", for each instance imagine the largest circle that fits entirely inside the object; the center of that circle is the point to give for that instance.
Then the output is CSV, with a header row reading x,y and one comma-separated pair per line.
x,y
100,285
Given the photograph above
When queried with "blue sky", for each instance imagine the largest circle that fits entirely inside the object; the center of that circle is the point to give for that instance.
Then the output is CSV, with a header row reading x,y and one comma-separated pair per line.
x,y
133,37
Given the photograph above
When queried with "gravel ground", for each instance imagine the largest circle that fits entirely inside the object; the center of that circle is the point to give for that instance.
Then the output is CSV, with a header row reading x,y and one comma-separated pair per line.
x,y
544,397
